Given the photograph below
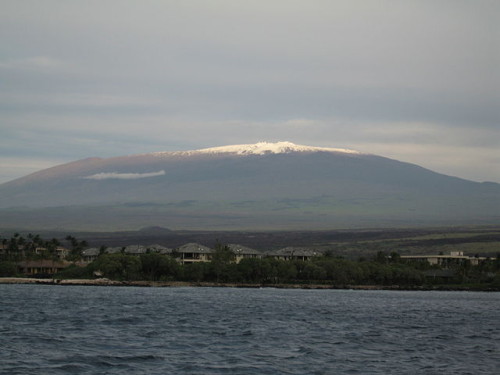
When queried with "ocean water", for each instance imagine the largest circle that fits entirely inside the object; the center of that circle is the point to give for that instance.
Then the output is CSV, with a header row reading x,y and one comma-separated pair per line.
x,y
131,330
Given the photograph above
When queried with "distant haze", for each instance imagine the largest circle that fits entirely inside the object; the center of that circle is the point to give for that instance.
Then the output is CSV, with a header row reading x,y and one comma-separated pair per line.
x,y
411,80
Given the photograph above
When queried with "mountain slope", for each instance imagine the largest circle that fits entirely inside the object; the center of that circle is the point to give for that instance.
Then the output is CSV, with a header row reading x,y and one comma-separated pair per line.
x,y
280,184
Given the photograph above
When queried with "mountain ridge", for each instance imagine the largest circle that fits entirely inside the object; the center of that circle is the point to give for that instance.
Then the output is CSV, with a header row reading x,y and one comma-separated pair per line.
x,y
263,184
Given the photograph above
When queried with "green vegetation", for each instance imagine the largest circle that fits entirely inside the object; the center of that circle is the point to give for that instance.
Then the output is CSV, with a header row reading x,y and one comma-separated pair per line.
x,y
381,270
76,248
379,264
8,269
76,272
31,247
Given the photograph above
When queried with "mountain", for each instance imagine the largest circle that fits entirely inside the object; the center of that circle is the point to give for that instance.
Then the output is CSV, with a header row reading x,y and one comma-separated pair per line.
x,y
257,186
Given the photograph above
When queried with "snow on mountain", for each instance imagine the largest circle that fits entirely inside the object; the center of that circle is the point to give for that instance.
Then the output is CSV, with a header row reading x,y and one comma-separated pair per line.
x,y
260,148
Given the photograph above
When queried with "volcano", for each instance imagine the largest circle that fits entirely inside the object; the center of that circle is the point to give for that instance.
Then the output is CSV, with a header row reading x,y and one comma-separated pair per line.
x,y
252,186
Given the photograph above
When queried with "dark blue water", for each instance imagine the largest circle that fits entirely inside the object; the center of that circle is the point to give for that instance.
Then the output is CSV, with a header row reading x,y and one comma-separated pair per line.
x,y
128,330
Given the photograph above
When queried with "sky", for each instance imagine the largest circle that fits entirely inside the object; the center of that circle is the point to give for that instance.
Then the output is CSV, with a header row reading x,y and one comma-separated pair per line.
x,y
417,81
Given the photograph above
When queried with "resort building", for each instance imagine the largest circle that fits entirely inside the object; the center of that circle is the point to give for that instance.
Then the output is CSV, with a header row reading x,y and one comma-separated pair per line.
x,y
194,253
114,250
60,252
135,250
242,252
91,254
41,267
159,249
453,259
294,253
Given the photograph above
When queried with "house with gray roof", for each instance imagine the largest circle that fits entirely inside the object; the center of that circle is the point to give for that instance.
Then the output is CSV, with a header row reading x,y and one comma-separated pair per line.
x,y
454,258
135,250
242,252
90,254
159,249
194,253
294,253
114,250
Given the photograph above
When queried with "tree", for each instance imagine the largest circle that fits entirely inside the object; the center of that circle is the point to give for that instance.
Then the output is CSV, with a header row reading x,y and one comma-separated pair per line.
x,y
395,257
313,272
381,257
221,258
51,247
76,247
102,249
255,270
8,269
118,266
155,267
195,271
13,250
285,270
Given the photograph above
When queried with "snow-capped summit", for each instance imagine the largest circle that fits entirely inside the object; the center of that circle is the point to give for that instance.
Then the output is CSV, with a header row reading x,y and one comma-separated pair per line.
x,y
260,148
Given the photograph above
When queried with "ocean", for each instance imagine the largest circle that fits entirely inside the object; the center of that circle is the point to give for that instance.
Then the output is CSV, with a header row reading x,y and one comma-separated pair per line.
x,y
47,329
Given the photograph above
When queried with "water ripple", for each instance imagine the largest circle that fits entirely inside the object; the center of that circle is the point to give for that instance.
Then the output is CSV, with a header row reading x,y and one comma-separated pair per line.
x,y
95,330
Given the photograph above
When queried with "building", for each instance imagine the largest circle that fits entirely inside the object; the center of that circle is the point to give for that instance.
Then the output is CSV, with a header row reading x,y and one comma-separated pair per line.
x,y
41,267
446,261
159,249
114,250
139,250
194,253
60,252
294,253
242,252
135,250
91,254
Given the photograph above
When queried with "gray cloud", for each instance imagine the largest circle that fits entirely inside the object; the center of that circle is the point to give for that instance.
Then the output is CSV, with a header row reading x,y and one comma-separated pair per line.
x,y
123,176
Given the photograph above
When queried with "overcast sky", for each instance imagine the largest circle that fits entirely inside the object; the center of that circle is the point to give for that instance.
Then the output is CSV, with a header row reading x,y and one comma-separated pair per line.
x,y
417,81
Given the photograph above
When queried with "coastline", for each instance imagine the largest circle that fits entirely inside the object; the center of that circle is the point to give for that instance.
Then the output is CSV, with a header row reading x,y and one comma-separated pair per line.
x,y
177,284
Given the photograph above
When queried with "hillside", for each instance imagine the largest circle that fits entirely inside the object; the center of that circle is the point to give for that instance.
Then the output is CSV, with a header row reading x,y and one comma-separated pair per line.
x,y
261,186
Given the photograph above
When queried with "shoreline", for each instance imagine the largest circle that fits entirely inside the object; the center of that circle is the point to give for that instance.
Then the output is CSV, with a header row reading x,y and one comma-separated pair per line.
x,y
177,284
